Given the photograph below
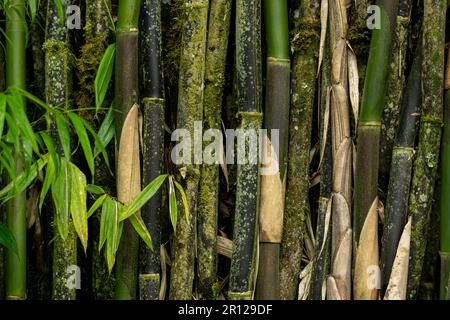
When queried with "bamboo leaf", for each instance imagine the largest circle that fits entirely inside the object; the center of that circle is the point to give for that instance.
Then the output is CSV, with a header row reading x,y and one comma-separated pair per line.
x,y
84,140
2,112
141,229
92,188
64,134
104,73
7,239
143,197
114,233
32,4
97,204
173,207
106,132
105,220
78,203
50,176
60,10
183,198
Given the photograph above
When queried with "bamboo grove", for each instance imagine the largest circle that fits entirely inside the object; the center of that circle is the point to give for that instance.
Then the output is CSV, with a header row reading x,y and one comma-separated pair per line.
x,y
220,149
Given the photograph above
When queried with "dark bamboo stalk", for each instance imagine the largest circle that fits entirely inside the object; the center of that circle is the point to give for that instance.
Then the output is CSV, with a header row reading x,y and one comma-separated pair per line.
x,y
445,189
396,211
249,100
190,110
216,54
427,157
153,104
126,96
304,67
58,82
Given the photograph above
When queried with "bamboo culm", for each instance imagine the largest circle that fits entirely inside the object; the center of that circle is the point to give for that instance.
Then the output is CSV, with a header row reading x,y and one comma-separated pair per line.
x,y
427,156
249,101
190,110
208,199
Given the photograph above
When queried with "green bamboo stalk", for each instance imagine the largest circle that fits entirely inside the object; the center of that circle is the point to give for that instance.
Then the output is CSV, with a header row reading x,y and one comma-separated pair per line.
x,y
58,65
273,184
427,157
16,264
208,198
126,96
444,201
96,33
304,67
2,180
152,90
396,82
321,263
396,211
190,110
366,180
249,101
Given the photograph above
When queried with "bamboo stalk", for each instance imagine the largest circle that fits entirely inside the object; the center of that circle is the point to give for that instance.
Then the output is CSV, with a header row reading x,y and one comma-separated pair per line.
x,y
339,281
444,201
426,163
249,100
273,184
396,210
306,44
126,97
58,82
321,264
153,102
367,160
190,110
396,82
2,179
216,54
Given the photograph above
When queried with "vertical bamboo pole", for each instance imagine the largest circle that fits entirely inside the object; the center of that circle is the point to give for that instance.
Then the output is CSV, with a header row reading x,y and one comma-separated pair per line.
x,y
58,81
2,218
427,156
249,100
153,106
190,110
216,54
305,43
126,97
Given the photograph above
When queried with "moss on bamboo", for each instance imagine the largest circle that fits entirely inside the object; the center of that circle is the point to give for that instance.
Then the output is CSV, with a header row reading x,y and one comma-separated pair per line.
x,y
396,82
208,202
305,37
190,110
426,163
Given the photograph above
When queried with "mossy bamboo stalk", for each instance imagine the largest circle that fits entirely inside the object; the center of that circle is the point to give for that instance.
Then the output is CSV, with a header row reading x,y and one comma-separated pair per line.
x,y
426,162
126,97
190,110
444,201
306,44
396,82
153,104
339,281
276,118
216,54
16,208
249,101
96,33
321,264
58,82
396,211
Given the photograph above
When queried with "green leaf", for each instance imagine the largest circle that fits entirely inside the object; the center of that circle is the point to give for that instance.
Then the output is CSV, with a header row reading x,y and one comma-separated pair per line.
x,y
84,140
60,10
7,239
173,207
104,73
78,200
114,234
51,149
141,229
32,4
7,160
183,198
50,176
64,134
143,197
92,188
106,132
105,220
32,98
97,204
2,112
61,197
